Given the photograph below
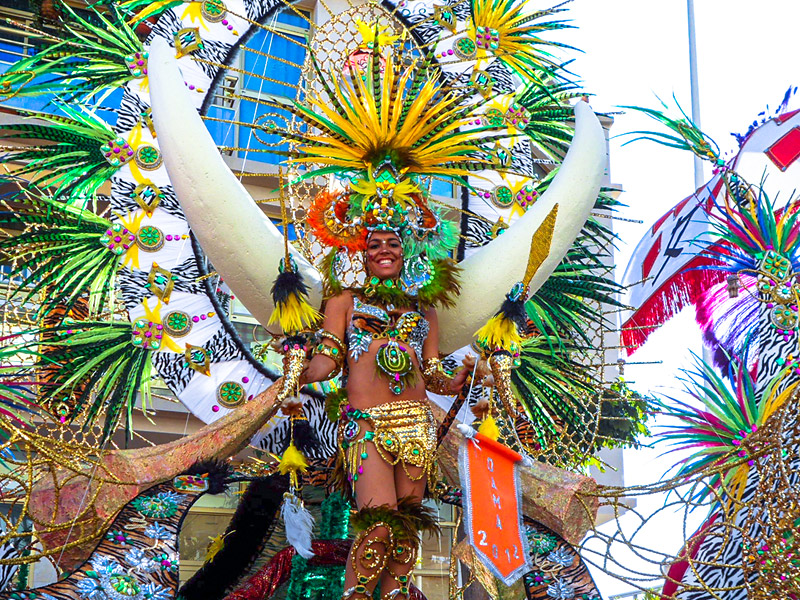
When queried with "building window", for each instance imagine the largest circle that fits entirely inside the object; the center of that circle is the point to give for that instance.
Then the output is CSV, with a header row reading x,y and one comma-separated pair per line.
x,y
271,64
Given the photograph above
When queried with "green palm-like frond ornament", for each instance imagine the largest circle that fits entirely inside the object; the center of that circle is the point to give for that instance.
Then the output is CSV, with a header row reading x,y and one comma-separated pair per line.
x,y
507,30
65,154
59,256
686,135
93,367
549,114
94,60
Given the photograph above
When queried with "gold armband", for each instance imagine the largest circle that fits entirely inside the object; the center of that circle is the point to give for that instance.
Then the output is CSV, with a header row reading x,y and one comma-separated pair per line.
x,y
334,352
324,334
435,377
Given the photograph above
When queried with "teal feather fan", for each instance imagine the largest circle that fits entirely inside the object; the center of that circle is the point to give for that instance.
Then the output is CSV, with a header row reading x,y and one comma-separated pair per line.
x,y
686,135
718,428
59,257
66,155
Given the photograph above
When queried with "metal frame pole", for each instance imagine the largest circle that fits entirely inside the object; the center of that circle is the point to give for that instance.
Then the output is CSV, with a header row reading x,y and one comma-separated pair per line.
x,y
699,178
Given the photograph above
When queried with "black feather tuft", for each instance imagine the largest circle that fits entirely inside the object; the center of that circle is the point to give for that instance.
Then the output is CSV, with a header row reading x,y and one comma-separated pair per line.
x,y
514,311
245,536
287,285
305,437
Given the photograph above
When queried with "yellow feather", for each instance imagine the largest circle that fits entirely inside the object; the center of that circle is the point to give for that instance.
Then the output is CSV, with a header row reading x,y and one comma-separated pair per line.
x,y
292,461
294,315
217,543
489,428
499,332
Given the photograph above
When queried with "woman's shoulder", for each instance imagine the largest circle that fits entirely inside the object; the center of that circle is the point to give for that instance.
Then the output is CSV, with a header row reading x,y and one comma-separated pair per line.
x,y
340,302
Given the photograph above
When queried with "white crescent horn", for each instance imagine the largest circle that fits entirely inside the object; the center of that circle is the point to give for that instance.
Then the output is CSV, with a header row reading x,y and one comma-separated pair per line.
x,y
489,273
242,243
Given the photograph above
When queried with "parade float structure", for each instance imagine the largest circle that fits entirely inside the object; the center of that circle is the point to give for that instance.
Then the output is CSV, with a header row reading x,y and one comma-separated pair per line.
x,y
129,241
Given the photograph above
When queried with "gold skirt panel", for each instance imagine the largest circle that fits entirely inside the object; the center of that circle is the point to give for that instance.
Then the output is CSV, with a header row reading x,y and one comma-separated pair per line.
x,y
403,432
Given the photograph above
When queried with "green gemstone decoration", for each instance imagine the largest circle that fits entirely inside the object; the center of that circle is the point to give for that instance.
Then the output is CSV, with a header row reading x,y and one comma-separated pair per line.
x,y
395,361
541,543
230,394
150,239
213,11
148,157
155,507
495,117
465,48
177,323
503,197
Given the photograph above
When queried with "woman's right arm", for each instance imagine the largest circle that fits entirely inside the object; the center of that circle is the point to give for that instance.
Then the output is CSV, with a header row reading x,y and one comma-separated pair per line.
x,y
321,366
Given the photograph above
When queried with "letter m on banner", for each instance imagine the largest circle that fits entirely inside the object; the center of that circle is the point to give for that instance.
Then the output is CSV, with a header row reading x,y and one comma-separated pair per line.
x,y
492,506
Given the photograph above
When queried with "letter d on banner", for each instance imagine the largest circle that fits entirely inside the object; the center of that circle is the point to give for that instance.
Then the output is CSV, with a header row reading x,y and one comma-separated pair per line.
x,y
492,506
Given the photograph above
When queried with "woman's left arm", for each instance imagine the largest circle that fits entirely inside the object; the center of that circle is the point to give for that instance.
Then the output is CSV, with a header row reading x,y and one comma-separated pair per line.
x,y
436,379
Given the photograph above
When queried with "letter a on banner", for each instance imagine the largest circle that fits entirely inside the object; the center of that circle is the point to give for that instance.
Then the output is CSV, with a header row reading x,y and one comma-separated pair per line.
x,y
492,508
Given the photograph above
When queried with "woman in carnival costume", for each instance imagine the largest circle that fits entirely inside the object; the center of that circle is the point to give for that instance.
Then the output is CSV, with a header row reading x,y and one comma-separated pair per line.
x,y
384,133
385,342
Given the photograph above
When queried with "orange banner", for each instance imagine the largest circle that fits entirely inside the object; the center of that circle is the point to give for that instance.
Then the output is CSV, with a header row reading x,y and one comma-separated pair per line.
x,y
492,507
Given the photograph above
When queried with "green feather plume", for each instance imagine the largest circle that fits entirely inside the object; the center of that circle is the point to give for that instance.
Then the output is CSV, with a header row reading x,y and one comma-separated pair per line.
x,y
98,370
70,160
550,115
58,256
687,136
90,62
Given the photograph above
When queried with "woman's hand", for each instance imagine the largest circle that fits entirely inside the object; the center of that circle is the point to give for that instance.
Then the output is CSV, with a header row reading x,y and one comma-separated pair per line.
x,y
460,377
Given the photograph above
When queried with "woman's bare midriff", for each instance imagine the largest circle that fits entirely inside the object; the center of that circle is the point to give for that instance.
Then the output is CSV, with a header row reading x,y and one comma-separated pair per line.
x,y
367,386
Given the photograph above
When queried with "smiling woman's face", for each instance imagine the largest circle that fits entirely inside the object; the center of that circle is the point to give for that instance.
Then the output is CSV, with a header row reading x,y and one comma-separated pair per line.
x,y
384,255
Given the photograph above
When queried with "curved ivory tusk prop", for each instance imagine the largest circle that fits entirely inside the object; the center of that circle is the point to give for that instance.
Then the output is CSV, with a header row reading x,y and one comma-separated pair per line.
x,y
239,239
489,273
247,255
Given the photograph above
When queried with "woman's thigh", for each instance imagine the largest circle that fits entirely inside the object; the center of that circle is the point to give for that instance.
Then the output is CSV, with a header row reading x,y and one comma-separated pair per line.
x,y
409,482
375,486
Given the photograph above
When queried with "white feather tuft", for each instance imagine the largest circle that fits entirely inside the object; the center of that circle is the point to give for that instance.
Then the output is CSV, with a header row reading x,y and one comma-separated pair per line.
x,y
299,524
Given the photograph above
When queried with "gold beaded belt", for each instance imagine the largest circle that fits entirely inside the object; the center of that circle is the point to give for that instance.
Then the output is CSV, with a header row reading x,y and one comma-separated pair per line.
x,y
404,432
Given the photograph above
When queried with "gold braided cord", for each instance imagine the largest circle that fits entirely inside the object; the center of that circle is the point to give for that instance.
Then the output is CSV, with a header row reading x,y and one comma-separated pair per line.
x,y
272,57
49,459
219,65
266,27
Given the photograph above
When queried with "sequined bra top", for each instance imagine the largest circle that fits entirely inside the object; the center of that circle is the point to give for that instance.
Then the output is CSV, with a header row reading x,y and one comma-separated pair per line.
x,y
371,322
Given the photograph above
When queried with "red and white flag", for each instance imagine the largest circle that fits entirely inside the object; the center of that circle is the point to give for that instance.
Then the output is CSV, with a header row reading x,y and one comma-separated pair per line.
x,y
662,276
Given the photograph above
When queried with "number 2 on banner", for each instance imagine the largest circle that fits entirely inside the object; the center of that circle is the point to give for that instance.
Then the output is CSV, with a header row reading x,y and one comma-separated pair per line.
x,y
482,541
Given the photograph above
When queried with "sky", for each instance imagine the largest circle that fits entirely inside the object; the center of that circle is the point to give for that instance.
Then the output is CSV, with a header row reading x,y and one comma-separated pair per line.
x,y
636,51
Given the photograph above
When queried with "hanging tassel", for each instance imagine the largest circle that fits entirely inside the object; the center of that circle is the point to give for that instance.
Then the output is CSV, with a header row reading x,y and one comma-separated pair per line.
x,y
293,462
290,295
299,524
